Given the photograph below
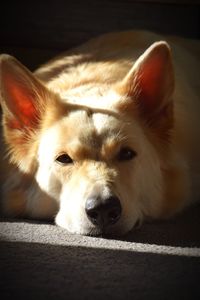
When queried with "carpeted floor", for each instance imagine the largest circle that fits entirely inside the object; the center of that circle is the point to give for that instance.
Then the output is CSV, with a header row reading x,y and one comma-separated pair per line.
x,y
160,260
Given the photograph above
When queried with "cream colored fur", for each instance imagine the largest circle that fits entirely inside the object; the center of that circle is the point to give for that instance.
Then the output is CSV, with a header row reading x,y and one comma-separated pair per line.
x,y
113,92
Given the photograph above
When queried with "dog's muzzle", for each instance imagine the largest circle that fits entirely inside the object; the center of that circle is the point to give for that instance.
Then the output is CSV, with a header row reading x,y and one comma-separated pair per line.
x,y
103,212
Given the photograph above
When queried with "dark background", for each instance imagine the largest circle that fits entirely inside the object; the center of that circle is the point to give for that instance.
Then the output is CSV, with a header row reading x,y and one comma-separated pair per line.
x,y
34,31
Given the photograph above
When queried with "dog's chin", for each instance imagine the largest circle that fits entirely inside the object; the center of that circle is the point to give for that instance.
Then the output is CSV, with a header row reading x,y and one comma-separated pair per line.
x,y
88,229
105,233
97,231
108,232
113,231
116,230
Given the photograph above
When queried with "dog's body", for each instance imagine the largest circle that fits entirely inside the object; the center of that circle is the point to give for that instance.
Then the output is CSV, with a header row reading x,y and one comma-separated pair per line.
x,y
100,139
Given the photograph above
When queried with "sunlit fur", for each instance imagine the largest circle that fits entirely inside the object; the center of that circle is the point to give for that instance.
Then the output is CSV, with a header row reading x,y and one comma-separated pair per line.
x,y
90,103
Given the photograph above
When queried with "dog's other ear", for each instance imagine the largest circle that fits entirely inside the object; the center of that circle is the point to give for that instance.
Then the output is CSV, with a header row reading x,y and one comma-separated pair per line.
x,y
22,95
150,83
22,99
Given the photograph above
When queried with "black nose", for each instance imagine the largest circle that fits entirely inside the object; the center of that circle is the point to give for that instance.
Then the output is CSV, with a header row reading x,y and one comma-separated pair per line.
x,y
103,212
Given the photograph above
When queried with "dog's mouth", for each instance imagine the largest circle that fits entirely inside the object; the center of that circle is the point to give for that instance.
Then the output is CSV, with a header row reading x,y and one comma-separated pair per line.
x,y
105,231
101,234
112,231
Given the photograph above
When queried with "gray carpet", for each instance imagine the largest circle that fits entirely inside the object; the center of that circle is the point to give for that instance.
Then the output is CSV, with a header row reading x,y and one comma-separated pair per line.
x,y
160,260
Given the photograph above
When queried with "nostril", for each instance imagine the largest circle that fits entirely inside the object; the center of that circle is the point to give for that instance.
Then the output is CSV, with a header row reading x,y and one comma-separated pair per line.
x,y
92,210
92,214
114,215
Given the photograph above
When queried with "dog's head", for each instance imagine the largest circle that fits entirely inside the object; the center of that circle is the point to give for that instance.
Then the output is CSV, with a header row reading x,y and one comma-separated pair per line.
x,y
99,152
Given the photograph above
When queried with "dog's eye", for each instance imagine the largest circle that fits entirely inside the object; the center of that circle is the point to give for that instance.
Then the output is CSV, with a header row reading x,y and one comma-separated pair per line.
x,y
64,159
126,154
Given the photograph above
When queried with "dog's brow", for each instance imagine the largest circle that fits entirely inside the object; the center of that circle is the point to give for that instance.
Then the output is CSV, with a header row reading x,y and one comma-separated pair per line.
x,y
91,139
110,149
91,110
82,152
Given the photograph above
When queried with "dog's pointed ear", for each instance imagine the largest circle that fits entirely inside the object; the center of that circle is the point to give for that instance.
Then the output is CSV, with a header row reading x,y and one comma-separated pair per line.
x,y
150,83
22,95
23,100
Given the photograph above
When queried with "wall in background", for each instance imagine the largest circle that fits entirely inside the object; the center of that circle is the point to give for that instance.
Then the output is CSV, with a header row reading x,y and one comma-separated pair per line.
x,y
62,24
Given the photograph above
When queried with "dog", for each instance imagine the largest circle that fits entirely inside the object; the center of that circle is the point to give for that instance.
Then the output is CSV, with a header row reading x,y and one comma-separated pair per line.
x,y
105,136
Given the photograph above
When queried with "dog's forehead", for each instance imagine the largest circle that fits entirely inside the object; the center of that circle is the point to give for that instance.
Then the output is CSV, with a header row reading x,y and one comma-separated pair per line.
x,y
79,133
96,110
88,124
